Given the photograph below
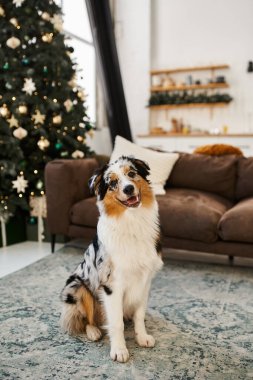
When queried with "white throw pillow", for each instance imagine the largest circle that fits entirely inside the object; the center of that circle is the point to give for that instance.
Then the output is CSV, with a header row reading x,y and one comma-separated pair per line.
x,y
161,164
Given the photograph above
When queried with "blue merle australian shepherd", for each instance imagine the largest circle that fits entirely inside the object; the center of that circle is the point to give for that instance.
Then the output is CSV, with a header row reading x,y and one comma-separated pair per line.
x,y
113,280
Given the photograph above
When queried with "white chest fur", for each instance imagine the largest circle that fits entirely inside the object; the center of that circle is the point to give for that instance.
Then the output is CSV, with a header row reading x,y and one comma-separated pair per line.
x,y
130,242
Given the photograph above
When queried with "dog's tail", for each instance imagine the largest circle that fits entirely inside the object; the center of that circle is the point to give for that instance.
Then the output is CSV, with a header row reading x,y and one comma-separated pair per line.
x,y
81,311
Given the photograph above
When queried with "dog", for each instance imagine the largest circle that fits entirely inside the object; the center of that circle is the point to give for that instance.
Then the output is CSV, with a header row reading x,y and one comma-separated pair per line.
x,y
112,283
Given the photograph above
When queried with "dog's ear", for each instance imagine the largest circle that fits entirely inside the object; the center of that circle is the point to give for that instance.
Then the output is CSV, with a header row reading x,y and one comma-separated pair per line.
x,y
142,168
97,183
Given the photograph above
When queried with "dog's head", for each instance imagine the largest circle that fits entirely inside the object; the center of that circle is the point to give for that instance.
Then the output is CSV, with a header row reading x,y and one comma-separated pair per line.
x,y
122,184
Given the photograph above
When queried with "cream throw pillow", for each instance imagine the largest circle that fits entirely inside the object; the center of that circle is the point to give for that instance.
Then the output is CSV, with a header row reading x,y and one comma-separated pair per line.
x,y
161,164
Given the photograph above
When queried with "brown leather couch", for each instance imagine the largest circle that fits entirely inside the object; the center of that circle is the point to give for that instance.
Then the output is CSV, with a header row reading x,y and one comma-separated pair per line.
x,y
208,206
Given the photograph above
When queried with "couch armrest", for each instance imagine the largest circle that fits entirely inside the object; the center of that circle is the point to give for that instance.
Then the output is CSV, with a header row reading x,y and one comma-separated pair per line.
x,y
66,183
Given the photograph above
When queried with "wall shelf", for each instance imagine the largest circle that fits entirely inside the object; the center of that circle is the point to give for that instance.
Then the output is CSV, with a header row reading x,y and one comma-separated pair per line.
x,y
209,86
187,105
186,69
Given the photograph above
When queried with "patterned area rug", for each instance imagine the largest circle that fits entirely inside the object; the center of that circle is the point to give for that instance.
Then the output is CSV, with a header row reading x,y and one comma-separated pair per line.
x,y
201,316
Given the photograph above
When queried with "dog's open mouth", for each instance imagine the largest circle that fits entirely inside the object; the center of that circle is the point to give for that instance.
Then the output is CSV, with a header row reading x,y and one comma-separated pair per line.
x,y
132,201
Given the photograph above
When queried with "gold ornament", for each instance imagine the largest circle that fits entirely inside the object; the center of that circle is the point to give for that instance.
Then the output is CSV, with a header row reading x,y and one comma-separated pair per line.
x,y
77,154
57,119
14,21
23,109
13,42
4,111
43,143
45,16
20,133
13,122
2,13
68,105
47,37
38,117
57,22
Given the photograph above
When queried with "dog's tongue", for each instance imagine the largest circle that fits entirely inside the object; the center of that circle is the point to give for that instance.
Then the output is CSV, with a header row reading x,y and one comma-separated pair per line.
x,y
132,200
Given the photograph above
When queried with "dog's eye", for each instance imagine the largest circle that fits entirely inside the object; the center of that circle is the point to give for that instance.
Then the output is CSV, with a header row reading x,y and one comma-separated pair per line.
x,y
113,184
131,174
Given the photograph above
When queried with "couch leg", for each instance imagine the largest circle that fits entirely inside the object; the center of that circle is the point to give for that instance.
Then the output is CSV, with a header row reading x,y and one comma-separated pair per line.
x,y
53,236
231,259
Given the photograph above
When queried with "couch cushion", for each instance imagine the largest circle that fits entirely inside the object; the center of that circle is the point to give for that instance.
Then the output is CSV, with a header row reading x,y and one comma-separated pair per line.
x,y
207,173
244,186
160,164
191,214
85,213
237,223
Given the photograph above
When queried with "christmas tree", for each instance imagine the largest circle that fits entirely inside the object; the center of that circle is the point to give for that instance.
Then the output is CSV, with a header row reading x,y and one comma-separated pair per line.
x,y
12,182
40,102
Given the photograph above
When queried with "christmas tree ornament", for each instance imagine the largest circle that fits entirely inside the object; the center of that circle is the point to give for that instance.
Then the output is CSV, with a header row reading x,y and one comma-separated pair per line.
x,y
45,16
20,184
23,109
64,154
57,119
2,13
6,66
32,220
56,20
68,105
4,111
43,143
13,42
29,86
39,184
77,154
25,61
13,122
14,21
45,70
47,37
39,209
8,86
58,145
20,133
38,117
18,3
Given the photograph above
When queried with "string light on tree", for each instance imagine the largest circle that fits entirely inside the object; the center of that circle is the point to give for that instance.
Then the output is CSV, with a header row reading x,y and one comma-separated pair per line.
x,y
14,21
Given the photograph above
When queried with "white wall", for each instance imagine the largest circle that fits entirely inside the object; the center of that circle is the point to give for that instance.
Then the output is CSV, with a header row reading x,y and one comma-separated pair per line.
x,y
170,33
132,31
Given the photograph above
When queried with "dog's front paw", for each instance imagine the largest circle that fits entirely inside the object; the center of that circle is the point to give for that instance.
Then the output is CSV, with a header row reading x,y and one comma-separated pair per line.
x,y
145,340
93,333
119,354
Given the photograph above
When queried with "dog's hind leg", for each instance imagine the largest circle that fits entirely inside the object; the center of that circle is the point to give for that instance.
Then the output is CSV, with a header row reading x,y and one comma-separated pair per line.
x,y
88,305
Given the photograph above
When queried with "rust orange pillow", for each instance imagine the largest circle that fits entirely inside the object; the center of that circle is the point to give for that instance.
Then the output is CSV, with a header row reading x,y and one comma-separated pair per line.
x,y
218,150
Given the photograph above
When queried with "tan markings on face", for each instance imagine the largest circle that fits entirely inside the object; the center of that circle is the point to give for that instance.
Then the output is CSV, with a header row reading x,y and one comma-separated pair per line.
x,y
147,196
112,206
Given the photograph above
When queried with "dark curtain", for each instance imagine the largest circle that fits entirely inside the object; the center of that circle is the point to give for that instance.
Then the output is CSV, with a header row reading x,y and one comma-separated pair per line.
x,y
108,64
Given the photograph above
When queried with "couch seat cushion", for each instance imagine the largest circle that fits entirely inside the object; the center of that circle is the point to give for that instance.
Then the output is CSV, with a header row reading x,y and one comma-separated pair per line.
x,y
237,223
85,213
191,214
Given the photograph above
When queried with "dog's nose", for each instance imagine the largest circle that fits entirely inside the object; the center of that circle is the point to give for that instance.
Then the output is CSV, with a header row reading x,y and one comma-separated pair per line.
x,y
128,190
